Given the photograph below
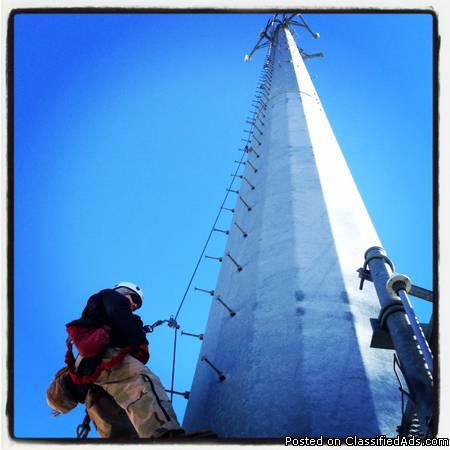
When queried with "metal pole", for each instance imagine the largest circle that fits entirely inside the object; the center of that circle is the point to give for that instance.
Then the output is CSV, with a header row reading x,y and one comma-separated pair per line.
x,y
415,372
199,336
422,293
421,341
232,313
184,394
222,377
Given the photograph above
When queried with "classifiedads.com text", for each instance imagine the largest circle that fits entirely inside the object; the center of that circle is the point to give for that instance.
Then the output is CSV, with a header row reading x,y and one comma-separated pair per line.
x,y
375,441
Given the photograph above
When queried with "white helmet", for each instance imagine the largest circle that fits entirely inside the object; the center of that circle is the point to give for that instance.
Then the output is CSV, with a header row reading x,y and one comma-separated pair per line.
x,y
125,286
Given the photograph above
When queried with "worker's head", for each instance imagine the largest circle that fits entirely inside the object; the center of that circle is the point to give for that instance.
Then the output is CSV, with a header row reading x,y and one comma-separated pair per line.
x,y
133,293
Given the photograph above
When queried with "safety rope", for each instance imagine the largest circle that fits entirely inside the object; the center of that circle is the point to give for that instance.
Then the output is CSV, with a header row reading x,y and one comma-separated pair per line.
x,y
195,272
84,428
213,228
234,176
173,362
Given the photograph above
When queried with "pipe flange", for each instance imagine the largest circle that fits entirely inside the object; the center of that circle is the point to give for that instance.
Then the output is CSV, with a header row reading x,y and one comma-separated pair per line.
x,y
396,282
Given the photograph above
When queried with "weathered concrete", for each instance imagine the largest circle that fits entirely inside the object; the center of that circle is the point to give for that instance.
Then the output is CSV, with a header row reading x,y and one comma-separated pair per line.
x,y
296,356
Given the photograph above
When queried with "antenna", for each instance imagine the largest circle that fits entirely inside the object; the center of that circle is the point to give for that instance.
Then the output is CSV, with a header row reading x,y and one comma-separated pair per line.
x,y
303,24
267,35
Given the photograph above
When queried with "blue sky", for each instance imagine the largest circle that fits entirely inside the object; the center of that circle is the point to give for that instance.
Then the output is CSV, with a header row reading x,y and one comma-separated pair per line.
x,y
126,129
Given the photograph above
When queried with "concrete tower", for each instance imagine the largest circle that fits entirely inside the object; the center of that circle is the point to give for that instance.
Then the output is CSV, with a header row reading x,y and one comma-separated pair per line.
x,y
295,359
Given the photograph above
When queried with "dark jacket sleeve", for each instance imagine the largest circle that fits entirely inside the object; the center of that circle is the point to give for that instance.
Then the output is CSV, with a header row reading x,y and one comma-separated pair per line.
x,y
126,326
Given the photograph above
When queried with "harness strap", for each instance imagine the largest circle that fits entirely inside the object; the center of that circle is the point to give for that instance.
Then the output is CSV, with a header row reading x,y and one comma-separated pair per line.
x,y
86,379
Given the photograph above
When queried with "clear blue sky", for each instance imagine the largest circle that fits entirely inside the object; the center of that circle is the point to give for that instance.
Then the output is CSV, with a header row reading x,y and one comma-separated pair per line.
x,y
126,129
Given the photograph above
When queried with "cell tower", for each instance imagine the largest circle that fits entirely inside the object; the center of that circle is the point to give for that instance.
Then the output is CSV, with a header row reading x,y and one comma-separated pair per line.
x,y
286,350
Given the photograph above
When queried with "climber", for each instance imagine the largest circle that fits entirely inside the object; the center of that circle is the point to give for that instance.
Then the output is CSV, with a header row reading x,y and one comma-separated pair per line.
x,y
113,351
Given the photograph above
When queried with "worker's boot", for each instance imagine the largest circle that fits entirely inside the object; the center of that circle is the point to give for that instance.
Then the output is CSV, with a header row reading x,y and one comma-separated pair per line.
x,y
181,434
173,434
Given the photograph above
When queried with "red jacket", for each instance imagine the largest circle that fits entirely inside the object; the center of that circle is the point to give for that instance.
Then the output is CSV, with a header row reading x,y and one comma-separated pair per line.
x,y
106,321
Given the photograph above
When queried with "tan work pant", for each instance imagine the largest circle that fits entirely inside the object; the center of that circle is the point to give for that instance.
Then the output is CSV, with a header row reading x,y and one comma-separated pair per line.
x,y
110,420
140,394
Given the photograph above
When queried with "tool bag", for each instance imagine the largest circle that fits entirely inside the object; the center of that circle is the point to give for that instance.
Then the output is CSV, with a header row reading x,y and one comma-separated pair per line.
x,y
63,394
90,341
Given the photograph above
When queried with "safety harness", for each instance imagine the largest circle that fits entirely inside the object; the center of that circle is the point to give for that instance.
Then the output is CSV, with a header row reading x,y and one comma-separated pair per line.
x,y
92,343
86,379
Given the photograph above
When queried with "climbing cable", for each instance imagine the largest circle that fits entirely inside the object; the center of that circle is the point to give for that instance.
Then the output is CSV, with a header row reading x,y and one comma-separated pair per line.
x,y
213,227
173,362
234,176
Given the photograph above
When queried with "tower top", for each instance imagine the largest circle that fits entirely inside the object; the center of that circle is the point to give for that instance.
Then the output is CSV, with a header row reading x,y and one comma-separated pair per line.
x,y
267,35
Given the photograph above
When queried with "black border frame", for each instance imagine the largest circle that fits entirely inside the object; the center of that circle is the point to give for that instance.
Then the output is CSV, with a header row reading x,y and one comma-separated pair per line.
x,y
218,10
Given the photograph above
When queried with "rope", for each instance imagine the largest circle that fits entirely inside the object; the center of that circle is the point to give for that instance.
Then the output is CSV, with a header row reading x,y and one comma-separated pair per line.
x,y
175,317
209,238
173,362
84,428
213,226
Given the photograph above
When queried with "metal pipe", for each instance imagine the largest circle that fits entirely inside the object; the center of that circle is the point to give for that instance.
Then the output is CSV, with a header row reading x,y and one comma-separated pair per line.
x,y
257,140
260,121
253,123
422,293
256,126
249,208
241,230
416,373
228,209
232,313
199,336
263,94
217,258
243,177
184,394
222,377
238,266
265,87
257,112
210,292
259,102
221,231
252,166
251,149
418,332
